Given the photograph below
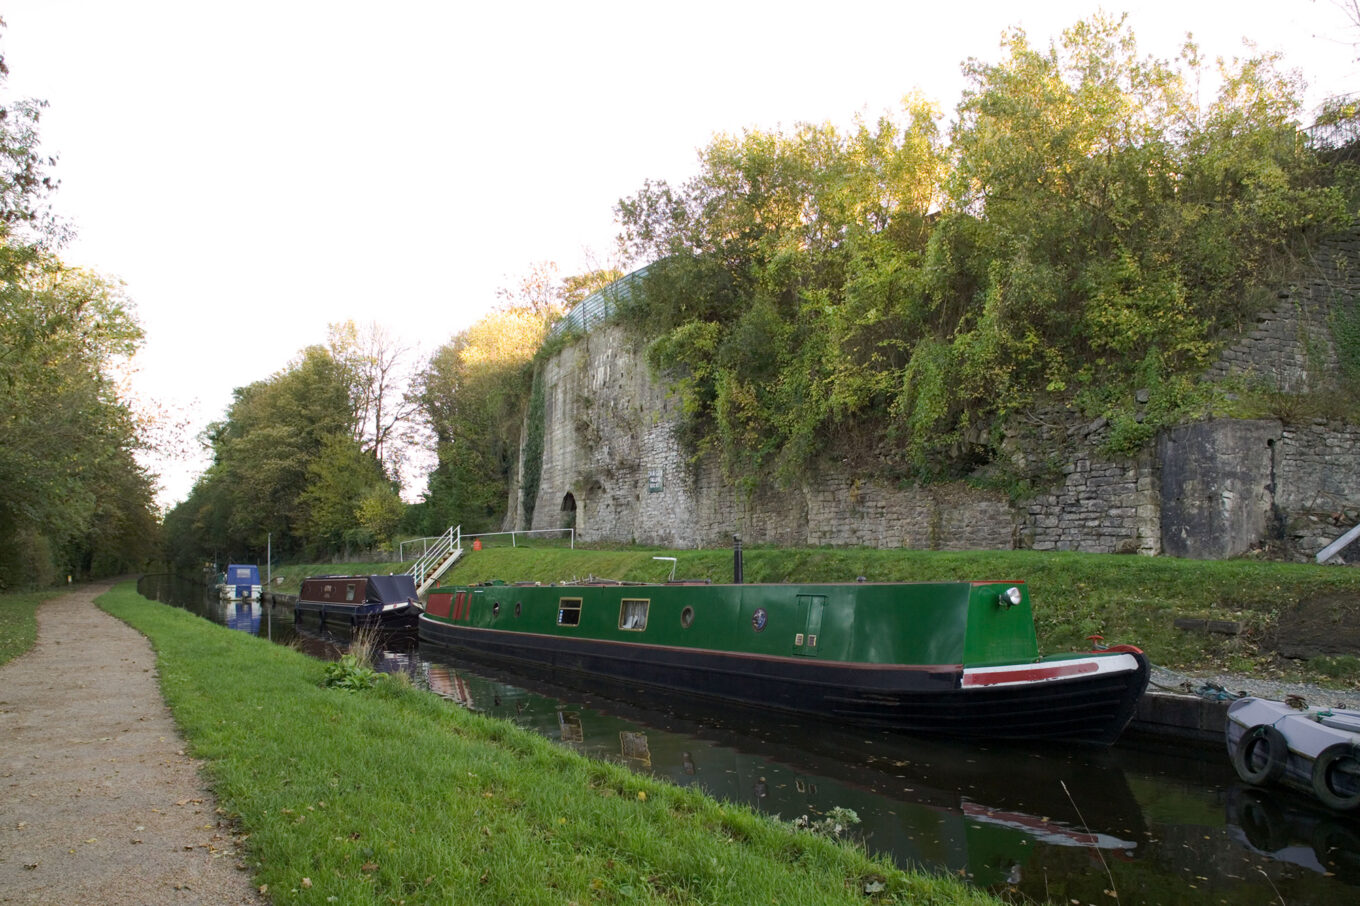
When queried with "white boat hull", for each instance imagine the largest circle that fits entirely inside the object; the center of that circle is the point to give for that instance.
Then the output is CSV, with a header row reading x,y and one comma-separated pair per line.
x,y
1316,751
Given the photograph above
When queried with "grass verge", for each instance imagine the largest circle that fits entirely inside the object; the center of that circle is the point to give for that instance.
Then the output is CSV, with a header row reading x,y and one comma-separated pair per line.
x,y
19,622
391,795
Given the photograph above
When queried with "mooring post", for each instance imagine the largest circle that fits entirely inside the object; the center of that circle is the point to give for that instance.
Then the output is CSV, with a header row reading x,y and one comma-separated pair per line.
x,y
737,571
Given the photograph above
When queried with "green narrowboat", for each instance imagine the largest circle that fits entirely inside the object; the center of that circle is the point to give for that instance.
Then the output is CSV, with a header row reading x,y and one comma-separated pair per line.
x,y
956,659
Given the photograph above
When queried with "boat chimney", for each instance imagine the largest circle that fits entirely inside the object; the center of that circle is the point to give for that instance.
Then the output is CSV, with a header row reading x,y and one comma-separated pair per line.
x,y
736,560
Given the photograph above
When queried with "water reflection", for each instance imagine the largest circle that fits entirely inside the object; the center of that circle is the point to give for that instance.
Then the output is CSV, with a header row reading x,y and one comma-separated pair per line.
x,y
1290,829
1035,824
923,803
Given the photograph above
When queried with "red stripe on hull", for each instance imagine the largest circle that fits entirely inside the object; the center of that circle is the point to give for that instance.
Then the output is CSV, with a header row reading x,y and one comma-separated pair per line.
x,y
1029,674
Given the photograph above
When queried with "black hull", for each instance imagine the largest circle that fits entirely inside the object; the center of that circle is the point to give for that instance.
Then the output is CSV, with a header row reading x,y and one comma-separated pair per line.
x,y
358,617
926,701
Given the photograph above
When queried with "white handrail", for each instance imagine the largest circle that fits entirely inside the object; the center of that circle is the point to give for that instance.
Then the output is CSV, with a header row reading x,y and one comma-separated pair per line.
x,y
570,532
1335,547
437,558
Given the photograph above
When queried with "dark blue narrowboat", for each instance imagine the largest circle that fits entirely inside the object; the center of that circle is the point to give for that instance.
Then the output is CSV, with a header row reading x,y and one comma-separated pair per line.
x,y
386,602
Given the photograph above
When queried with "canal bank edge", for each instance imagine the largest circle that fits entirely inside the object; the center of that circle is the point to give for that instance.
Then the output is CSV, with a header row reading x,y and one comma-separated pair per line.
x,y
1185,707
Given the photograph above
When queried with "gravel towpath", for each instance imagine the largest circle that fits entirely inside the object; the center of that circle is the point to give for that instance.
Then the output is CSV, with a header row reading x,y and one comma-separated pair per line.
x,y
98,802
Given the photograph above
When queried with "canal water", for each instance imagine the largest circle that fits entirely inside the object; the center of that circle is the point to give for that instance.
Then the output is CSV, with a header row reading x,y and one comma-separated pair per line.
x,y
1140,823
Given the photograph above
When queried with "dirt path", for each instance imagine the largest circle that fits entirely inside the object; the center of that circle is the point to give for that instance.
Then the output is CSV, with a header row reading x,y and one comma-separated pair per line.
x,y
98,803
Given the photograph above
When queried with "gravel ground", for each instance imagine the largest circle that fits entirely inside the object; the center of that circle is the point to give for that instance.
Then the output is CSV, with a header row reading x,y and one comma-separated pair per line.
x,y
1313,696
98,802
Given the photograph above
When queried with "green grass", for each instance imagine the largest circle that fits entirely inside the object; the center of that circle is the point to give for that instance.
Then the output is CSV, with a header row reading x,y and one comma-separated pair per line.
x,y
1126,599
392,795
19,623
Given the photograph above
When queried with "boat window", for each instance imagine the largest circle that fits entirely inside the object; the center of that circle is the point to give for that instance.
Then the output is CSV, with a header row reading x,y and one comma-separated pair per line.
x,y
569,612
519,607
496,609
349,592
687,617
633,614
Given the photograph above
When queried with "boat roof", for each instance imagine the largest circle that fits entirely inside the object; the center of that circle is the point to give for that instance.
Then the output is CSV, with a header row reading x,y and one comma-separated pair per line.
x,y
596,582
398,587
395,587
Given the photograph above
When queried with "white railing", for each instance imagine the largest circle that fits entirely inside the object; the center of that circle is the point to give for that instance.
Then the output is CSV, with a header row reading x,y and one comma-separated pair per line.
x,y
437,557
514,541
422,543
1336,546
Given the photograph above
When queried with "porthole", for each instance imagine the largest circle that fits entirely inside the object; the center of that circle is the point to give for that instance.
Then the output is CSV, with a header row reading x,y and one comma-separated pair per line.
x,y
519,606
759,619
687,617
496,609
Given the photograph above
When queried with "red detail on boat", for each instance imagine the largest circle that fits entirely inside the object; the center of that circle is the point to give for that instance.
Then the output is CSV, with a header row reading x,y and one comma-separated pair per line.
x,y
1029,674
438,605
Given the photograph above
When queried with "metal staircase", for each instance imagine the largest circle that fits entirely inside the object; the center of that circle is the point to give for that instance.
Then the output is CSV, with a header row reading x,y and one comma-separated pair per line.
x,y
1336,546
437,558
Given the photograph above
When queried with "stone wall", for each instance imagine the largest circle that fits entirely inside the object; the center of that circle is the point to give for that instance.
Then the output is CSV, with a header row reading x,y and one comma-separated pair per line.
x,y
1093,503
1290,346
1218,487
614,468
1317,486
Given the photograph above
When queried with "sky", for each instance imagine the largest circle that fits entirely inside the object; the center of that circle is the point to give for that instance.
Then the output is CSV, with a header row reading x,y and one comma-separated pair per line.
x,y
254,171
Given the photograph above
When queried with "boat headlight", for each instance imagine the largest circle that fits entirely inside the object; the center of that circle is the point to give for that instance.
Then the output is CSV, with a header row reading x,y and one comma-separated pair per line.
x,y
1009,598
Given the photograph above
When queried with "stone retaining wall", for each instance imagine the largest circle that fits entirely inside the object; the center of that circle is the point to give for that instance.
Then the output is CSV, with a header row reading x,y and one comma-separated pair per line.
x,y
1317,495
1290,347
615,469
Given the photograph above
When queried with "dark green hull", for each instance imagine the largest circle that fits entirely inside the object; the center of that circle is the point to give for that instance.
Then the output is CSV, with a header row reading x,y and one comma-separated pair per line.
x,y
956,658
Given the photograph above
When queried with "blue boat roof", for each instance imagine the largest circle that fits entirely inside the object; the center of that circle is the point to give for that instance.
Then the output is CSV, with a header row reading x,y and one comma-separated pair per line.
x,y
242,572
392,588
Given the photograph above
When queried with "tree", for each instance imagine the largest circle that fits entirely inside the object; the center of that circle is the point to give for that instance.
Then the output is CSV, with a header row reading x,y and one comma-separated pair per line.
x,y
781,294
575,289
75,500
472,395
265,454
538,292
382,406
1102,228
339,498
876,297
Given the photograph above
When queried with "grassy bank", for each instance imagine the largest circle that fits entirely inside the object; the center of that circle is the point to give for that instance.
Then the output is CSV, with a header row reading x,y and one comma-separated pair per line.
x,y
391,795
18,622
